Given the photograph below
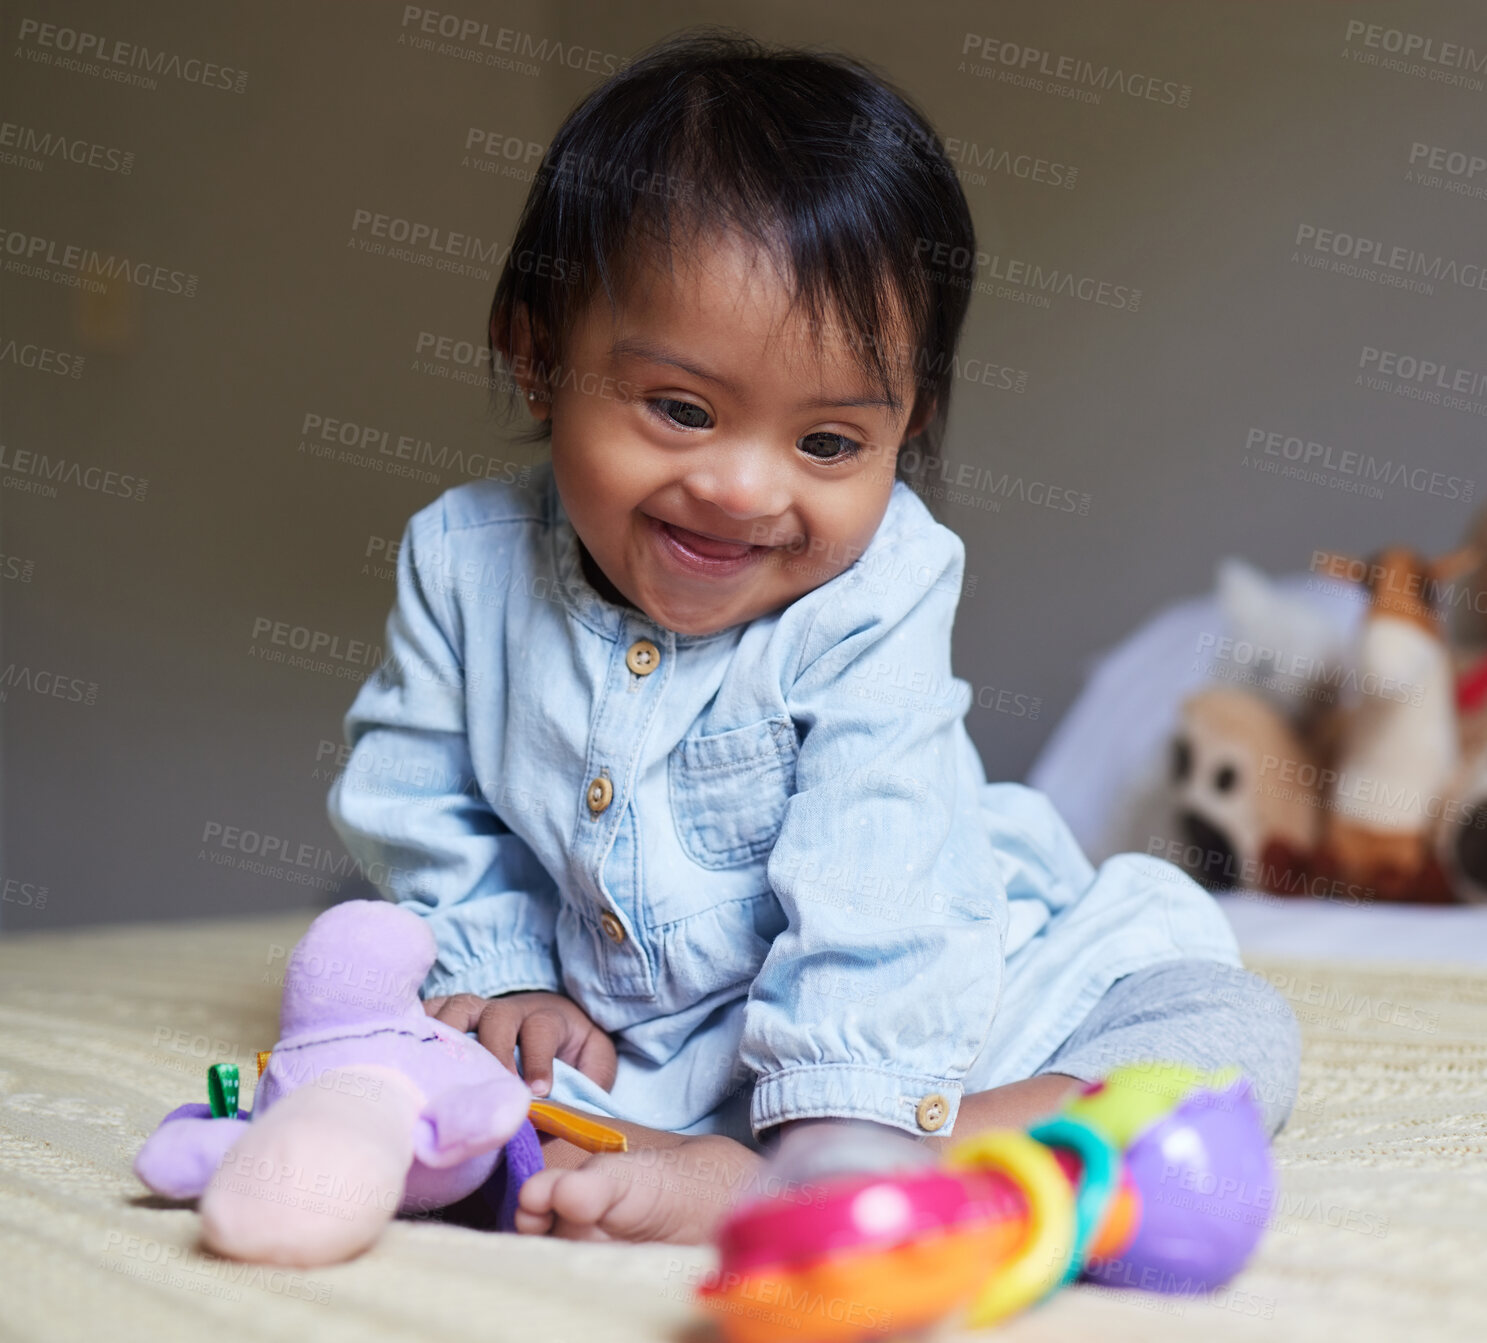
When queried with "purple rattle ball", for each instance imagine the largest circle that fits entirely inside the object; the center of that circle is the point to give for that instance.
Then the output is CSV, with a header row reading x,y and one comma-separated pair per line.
x,y
1207,1188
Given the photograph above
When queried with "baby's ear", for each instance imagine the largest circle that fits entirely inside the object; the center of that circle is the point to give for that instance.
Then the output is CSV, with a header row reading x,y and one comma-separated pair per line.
x,y
920,417
524,355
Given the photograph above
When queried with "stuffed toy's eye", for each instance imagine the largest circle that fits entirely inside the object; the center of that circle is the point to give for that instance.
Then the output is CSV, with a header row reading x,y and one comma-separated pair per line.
x,y
1182,759
1225,778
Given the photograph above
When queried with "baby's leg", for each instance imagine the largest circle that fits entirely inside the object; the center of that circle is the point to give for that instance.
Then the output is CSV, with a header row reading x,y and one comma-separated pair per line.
x,y
1203,1013
1206,1014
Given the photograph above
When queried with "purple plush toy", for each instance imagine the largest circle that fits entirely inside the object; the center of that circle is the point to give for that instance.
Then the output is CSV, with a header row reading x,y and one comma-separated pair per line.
x,y
368,1107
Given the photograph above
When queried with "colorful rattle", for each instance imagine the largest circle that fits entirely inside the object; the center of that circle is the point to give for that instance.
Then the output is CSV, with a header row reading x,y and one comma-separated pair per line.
x,y
1156,1177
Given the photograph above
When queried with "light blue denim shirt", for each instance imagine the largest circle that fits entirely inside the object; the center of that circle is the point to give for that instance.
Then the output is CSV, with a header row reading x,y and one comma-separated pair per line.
x,y
767,860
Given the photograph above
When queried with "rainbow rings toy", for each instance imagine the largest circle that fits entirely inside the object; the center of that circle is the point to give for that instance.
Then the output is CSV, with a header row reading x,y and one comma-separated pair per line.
x,y
1155,1177
865,1254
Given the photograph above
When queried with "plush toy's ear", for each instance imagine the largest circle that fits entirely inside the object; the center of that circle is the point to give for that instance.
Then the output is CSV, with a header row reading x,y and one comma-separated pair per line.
x,y
1456,564
180,1157
464,1122
359,959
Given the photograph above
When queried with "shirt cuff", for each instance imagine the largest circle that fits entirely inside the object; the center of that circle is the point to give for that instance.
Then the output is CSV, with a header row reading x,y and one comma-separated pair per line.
x,y
917,1104
517,967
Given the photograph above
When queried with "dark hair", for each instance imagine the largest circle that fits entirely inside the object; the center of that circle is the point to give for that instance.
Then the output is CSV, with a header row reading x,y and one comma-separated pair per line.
x,y
812,153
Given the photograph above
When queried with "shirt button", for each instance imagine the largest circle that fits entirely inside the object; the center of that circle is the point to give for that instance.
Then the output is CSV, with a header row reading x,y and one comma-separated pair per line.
x,y
614,930
600,791
643,657
933,1111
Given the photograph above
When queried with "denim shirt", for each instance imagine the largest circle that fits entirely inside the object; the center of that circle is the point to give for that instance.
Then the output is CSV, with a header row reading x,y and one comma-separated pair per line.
x,y
767,860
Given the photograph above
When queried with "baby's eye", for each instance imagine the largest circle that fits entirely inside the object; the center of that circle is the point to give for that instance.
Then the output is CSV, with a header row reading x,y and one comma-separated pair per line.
x,y
844,447
678,412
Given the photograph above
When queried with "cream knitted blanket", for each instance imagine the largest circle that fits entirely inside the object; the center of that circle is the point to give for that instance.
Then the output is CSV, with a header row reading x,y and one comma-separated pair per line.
x,y
1378,1234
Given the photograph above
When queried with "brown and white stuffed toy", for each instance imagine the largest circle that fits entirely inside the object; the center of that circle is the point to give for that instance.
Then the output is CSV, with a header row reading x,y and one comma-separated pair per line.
x,y
1381,798
1397,749
1243,781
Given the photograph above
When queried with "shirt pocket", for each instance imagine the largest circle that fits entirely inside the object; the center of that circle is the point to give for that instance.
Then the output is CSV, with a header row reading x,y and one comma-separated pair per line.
x,y
729,789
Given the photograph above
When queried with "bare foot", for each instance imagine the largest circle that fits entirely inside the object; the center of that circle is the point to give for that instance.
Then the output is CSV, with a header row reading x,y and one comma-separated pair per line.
x,y
677,1194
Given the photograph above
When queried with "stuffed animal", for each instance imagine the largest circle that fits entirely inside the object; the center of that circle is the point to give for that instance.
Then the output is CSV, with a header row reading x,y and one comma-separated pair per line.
x,y
1243,785
1398,747
1381,797
367,1107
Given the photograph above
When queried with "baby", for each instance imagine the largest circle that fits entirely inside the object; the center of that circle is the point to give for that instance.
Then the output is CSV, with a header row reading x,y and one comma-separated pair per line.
x,y
667,747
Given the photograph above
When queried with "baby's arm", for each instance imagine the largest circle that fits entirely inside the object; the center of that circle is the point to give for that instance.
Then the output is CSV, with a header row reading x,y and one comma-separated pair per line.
x,y
411,812
880,992
1014,1105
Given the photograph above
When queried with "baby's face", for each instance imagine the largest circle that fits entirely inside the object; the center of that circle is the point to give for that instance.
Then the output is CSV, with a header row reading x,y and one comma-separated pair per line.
x,y
707,448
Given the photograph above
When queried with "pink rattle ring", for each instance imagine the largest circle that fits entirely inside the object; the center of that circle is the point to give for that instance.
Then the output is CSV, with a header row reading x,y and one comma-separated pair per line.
x,y
861,1212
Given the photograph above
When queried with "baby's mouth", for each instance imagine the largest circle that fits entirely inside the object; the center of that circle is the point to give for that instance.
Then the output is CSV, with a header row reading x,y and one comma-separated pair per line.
x,y
706,545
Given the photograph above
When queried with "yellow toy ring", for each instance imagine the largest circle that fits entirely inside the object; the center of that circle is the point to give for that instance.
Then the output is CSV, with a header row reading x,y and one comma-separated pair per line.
x,y
1040,1266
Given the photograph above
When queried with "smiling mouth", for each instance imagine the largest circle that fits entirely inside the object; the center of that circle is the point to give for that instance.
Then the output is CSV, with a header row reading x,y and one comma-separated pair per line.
x,y
701,553
711,547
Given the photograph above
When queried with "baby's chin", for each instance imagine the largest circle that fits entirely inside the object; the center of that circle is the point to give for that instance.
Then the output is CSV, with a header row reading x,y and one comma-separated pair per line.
x,y
700,623
699,616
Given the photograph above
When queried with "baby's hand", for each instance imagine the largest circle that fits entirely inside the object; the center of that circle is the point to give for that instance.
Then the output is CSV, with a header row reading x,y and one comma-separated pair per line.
x,y
545,1024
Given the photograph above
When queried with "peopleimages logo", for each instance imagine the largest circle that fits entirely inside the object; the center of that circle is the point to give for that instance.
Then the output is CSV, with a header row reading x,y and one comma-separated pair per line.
x,y
33,472
99,54
1446,170
42,359
1369,254
502,48
1024,277
1438,158
26,145
85,267
1432,381
1415,46
1346,469
1029,66
969,155
326,436
1434,373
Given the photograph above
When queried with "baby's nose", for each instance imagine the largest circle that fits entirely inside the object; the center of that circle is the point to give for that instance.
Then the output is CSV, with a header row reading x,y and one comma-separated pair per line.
x,y
745,486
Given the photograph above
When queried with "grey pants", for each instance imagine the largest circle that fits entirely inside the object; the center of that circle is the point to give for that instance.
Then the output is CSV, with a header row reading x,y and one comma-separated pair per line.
x,y
1202,1013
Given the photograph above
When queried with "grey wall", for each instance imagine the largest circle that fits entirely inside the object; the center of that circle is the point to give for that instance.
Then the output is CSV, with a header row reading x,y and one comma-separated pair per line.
x,y
140,722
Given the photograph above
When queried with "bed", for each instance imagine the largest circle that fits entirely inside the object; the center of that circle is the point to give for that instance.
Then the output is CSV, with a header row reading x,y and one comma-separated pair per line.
x,y
1378,1232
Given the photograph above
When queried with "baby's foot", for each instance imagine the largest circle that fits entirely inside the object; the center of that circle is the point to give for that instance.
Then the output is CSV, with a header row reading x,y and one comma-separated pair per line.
x,y
676,1194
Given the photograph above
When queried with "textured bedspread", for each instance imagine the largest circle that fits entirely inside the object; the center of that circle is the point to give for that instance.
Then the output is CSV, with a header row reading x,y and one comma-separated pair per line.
x,y
1380,1231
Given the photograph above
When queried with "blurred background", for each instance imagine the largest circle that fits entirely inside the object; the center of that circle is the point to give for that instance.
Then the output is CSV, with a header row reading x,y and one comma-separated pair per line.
x,y
1232,304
